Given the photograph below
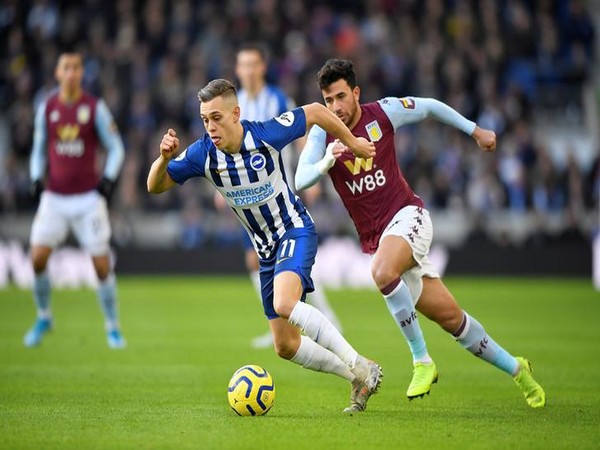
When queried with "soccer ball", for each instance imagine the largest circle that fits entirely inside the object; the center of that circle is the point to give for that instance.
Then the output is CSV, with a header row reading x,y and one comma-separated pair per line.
x,y
251,391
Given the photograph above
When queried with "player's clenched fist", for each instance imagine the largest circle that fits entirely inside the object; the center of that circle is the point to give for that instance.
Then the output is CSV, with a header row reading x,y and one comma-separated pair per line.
x,y
486,139
169,144
363,148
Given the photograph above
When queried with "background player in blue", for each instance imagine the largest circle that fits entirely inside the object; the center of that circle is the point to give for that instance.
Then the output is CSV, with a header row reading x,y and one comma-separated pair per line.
x,y
260,101
69,125
242,160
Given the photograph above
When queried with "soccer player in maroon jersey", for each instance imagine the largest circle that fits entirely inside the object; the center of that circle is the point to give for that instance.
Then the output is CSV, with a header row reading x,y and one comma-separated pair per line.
x,y
393,224
69,126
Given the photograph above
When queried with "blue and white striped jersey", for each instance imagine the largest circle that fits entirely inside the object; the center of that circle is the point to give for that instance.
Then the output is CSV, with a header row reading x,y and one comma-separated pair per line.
x,y
252,181
270,102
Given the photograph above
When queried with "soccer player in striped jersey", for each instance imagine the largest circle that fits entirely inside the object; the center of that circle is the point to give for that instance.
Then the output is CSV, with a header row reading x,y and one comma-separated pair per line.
x,y
393,224
69,125
261,101
242,160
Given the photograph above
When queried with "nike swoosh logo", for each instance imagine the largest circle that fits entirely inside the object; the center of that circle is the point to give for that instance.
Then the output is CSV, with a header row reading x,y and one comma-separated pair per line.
x,y
281,260
220,170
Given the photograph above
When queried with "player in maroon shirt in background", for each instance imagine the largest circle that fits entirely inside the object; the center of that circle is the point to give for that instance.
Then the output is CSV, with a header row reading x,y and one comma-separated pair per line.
x,y
393,224
69,125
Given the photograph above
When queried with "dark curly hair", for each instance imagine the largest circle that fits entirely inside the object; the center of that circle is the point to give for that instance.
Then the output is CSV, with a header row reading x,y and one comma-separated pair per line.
x,y
334,70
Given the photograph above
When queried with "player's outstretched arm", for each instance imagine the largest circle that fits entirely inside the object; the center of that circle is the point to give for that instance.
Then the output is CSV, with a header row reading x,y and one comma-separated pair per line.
x,y
414,109
317,114
159,179
485,139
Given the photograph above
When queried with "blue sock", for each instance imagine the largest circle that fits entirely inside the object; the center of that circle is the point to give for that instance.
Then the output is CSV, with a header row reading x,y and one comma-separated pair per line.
x,y
472,336
41,294
107,296
400,303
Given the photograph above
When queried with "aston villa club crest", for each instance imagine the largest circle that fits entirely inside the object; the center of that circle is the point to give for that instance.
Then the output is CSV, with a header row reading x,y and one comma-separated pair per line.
x,y
374,131
83,114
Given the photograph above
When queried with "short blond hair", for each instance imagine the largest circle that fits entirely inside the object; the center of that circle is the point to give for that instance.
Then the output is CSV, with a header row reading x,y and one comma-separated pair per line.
x,y
217,88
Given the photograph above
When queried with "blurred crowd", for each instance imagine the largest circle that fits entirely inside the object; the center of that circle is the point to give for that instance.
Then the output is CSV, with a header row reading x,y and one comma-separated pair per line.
x,y
502,64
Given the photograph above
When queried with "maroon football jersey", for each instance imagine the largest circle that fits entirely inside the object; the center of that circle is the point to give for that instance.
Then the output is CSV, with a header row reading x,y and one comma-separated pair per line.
x,y
373,190
72,144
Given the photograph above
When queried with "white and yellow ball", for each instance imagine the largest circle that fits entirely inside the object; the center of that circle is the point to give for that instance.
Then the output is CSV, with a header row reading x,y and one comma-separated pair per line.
x,y
251,391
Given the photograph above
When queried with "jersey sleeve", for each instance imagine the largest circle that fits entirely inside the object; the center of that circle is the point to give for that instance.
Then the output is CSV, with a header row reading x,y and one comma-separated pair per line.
x,y
280,131
111,140
407,110
189,164
37,162
307,172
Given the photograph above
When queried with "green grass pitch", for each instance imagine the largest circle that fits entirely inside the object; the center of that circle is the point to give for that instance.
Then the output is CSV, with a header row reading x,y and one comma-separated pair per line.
x,y
186,336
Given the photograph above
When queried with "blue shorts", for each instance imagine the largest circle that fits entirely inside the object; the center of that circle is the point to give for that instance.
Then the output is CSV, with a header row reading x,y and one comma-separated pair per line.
x,y
295,252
